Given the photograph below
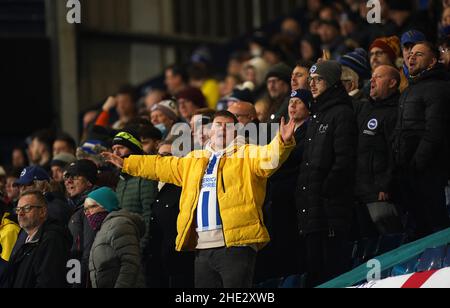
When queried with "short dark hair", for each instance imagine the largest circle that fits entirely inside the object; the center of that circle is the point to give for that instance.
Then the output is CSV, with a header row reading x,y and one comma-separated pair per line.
x,y
39,195
45,137
304,63
68,139
433,48
178,70
225,114
129,90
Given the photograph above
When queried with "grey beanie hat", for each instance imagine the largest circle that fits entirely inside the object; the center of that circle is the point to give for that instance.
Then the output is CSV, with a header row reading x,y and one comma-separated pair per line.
x,y
331,71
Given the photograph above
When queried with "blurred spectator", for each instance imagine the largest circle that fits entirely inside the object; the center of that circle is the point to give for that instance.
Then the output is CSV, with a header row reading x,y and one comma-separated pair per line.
x,y
190,100
167,268
228,84
444,49
9,230
64,143
355,72
2,180
59,164
300,75
153,97
325,188
330,36
164,115
176,79
201,78
125,105
40,149
310,48
12,191
420,139
243,111
150,139
255,71
384,51
445,21
200,127
236,62
41,261
19,158
135,194
89,119
262,110
36,178
80,179
115,257
279,86
375,164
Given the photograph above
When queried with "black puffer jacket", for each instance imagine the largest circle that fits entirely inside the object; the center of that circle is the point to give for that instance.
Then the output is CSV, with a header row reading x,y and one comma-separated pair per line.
x,y
420,141
375,164
41,263
83,237
324,194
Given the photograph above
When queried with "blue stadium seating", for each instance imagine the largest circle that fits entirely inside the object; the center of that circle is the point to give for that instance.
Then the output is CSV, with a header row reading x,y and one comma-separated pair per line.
x,y
432,259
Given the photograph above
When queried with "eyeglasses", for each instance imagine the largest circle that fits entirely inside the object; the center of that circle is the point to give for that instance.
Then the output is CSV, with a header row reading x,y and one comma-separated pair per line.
x,y
378,53
27,208
72,177
241,115
316,79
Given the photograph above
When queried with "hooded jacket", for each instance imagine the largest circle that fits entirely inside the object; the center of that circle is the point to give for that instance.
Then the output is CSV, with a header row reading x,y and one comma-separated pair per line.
x,y
325,187
241,188
115,258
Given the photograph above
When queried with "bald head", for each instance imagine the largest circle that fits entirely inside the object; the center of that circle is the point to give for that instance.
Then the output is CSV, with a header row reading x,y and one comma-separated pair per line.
x,y
244,112
385,82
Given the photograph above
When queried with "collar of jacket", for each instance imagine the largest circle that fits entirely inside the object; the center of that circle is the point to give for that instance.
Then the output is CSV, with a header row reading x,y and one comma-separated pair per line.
x,y
437,72
229,150
389,101
333,96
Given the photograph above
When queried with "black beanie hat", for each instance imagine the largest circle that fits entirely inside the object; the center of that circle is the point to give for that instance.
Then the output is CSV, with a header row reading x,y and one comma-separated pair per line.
x,y
129,139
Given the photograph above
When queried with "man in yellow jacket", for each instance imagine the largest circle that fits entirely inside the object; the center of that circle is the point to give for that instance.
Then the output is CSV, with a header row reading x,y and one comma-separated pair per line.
x,y
9,231
221,203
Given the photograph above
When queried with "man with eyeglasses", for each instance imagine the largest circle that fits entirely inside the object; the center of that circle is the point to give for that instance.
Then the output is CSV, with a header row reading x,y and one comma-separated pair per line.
x,y
420,141
324,193
41,261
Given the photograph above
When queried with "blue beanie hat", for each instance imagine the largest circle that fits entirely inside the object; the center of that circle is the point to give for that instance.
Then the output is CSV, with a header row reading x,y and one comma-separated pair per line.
x,y
357,60
412,37
304,95
106,198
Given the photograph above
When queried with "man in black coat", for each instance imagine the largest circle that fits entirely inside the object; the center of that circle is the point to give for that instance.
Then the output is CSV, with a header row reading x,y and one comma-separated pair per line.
x,y
80,179
41,261
324,194
165,267
375,164
420,144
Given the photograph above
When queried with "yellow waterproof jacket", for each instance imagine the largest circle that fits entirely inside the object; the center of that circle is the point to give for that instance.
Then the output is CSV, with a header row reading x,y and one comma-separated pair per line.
x,y
9,231
241,188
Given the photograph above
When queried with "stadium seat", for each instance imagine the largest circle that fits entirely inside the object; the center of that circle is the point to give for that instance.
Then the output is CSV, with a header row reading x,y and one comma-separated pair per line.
x,y
270,284
406,268
432,259
447,258
294,282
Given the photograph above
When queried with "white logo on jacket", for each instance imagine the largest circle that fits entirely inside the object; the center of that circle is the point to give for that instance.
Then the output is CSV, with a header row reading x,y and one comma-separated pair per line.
x,y
373,124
